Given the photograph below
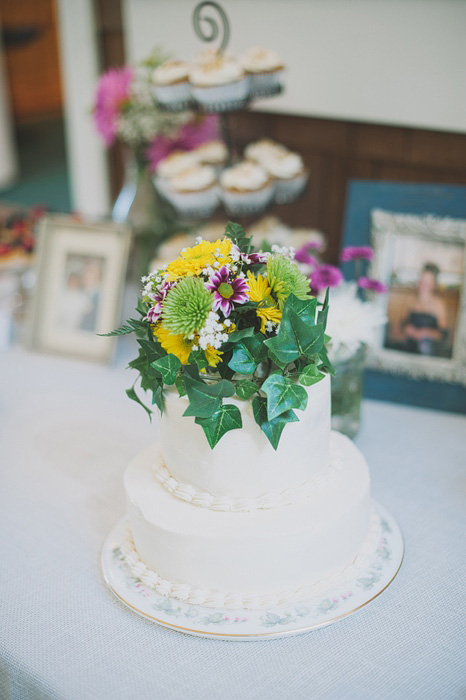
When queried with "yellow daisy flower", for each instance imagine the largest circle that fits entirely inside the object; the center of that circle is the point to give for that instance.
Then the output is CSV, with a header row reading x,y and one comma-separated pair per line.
x,y
213,356
193,260
174,343
260,291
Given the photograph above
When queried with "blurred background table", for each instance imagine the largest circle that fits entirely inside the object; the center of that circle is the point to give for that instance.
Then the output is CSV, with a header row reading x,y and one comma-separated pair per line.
x,y
67,434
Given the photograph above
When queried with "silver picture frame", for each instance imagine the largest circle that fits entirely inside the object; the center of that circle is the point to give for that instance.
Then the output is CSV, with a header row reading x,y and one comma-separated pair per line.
x,y
385,228
81,268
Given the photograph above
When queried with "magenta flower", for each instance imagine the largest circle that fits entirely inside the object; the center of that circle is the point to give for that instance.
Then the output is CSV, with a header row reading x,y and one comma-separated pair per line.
x,y
191,135
372,285
227,292
325,276
362,252
158,297
254,258
112,93
303,255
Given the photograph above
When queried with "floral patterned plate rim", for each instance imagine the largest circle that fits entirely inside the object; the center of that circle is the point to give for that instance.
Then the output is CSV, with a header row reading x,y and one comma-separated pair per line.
x,y
254,625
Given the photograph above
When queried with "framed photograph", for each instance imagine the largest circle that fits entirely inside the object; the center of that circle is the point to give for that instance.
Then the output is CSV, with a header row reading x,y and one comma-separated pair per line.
x,y
421,259
418,232
80,281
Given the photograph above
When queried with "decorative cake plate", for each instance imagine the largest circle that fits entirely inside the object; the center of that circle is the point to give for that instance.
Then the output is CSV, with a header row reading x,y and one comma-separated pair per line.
x,y
254,625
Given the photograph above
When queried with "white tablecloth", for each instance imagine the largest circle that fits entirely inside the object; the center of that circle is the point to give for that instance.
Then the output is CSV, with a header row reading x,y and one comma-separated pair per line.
x,y
67,433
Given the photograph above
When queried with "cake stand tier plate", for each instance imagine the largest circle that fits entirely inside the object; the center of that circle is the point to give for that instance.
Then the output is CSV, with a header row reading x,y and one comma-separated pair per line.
x,y
254,625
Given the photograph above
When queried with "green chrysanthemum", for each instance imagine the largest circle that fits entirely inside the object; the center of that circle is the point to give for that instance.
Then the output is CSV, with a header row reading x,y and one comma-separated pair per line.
x,y
186,307
285,278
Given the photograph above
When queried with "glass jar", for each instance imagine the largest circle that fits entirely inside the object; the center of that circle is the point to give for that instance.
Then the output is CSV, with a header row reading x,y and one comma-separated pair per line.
x,y
346,388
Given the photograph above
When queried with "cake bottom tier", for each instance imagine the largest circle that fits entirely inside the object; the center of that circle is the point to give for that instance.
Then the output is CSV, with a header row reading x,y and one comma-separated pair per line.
x,y
250,559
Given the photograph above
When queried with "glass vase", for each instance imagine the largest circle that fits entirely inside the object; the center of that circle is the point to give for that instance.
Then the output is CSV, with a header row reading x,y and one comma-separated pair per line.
x,y
150,218
346,388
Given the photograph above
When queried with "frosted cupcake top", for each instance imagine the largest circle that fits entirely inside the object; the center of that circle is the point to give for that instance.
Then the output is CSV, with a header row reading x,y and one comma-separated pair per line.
x,y
284,165
175,163
244,176
264,149
214,152
218,71
171,72
198,177
258,60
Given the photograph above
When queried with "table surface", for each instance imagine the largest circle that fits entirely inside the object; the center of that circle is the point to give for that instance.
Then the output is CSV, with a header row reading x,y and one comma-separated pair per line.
x,y
67,434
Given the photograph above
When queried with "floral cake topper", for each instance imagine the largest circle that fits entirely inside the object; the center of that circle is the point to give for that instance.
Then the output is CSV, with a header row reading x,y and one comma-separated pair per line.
x,y
223,320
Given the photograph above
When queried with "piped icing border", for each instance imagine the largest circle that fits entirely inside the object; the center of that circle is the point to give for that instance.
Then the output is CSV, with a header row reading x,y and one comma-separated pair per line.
x,y
273,499
235,601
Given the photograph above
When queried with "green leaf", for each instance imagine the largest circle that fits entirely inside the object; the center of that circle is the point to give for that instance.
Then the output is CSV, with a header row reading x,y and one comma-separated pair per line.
x,y
168,367
239,335
140,363
323,313
295,338
238,235
226,418
283,394
197,357
179,383
310,375
272,429
157,397
304,308
205,399
247,354
326,364
132,395
245,388
132,326
152,348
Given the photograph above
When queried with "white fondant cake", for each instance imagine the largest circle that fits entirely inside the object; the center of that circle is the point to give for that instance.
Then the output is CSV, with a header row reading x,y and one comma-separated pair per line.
x,y
243,525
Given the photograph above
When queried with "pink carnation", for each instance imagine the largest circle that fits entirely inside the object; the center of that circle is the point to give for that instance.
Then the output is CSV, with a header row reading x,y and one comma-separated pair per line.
x,y
362,252
190,136
112,92
325,276
372,285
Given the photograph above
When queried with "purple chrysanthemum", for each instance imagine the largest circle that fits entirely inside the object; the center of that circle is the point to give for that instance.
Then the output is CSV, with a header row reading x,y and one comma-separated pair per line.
x,y
325,276
157,298
191,135
303,254
112,92
227,292
372,285
362,252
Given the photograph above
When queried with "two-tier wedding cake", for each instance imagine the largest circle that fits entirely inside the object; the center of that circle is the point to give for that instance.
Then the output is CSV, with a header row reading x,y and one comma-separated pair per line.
x,y
242,503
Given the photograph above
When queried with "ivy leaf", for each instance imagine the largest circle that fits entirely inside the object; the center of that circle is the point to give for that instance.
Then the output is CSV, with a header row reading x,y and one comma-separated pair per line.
x,y
310,375
304,308
205,399
179,383
140,363
226,418
239,335
152,348
323,313
142,307
238,235
157,397
245,388
197,357
295,338
247,354
283,394
168,367
272,429
132,395
326,364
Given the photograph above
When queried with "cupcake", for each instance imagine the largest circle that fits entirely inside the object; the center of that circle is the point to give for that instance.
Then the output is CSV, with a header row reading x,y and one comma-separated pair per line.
x,y
264,149
213,153
194,192
290,175
171,84
172,165
246,189
265,68
219,85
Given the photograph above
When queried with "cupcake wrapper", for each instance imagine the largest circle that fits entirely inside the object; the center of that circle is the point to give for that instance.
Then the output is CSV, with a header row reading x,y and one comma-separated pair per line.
x,y
173,96
289,190
222,98
266,84
246,203
194,204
